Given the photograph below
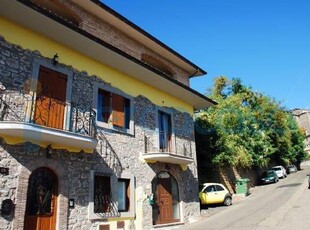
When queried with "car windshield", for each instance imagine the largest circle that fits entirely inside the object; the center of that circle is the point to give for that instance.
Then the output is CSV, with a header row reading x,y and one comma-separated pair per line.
x,y
277,169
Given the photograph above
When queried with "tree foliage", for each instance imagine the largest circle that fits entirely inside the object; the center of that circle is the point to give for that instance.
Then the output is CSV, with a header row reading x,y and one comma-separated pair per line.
x,y
246,128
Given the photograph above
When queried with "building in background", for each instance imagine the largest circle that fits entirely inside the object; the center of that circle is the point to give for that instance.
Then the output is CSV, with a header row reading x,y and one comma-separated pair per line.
x,y
96,121
302,117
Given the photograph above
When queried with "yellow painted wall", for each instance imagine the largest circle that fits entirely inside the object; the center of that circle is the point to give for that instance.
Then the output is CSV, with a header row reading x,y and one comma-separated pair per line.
x,y
29,39
18,140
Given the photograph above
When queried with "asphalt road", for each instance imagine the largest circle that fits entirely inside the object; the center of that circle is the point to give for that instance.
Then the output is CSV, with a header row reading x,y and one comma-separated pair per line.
x,y
280,206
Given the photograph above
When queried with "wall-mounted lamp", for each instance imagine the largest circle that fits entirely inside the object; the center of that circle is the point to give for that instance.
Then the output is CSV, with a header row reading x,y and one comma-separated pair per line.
x,y
55,59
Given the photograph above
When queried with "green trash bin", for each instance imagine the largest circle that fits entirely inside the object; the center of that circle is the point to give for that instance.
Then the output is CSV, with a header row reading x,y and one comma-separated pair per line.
x,y
243,186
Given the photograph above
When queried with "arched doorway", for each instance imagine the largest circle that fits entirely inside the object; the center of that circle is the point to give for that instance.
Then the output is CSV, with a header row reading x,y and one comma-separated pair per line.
x,y
166,199
41,200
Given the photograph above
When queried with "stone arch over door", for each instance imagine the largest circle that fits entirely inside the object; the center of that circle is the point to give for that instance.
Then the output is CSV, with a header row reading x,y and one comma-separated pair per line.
x,y
61,171
166,207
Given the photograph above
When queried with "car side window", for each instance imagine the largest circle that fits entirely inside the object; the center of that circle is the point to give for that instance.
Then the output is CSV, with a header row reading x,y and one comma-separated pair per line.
x,y
219,188
210,188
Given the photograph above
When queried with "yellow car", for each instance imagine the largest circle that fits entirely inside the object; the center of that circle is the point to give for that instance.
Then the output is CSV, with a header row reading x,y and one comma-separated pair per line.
x,y
214,193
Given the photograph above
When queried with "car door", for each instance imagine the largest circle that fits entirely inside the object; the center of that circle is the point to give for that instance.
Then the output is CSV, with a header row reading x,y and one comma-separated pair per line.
x,y
220,193
210,194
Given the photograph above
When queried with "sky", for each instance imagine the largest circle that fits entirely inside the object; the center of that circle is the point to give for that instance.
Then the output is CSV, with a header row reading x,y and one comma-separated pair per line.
x,y
265,43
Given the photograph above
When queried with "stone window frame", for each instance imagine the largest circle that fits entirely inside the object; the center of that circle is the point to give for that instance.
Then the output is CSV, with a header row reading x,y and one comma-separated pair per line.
x,y
114,188
34,81
168,111
110,126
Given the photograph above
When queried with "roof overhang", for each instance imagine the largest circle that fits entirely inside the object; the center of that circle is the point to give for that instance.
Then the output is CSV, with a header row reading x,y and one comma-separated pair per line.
x,y
104,12
29,15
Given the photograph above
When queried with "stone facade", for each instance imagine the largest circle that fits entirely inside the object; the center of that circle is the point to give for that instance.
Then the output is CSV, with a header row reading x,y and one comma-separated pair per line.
x,y
116,153
302,116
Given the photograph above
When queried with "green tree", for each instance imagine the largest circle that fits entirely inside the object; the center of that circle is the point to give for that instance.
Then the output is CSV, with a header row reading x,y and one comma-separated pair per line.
x,y
246,128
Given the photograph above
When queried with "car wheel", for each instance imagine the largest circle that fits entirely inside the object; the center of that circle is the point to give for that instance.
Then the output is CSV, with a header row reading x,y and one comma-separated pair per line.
x,y
227,201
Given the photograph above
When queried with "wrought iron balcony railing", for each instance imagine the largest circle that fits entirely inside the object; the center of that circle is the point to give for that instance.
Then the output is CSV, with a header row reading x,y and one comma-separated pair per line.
x,y
19,106
164,142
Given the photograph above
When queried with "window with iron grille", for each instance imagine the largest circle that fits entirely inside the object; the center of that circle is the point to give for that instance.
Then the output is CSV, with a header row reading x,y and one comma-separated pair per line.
x,y
111,196
102,194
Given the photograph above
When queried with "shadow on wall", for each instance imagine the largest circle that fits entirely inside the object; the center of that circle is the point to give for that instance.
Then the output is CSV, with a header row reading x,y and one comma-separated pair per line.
x,y
69,167
227,175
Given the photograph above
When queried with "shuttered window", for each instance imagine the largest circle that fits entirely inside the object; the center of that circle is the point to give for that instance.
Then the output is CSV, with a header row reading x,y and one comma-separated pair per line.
x,y
113,108
51,98
118,107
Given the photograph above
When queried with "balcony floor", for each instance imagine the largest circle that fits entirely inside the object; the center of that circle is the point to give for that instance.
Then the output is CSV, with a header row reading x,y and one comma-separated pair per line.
x,y
19,132
167,157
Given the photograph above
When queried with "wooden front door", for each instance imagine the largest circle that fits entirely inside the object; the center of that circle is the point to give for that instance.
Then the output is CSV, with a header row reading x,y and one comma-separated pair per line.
x,y
165,214
41,204
51,98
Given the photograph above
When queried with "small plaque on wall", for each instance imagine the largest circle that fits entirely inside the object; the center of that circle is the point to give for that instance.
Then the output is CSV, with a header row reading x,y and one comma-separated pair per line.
x,y
120,224
104,227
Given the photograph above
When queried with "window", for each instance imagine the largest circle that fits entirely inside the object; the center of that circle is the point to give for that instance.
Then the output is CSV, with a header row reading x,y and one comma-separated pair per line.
x,y
123,195
210,188
102,194
165,131
110,196
50,102
51,86
113,108
219,188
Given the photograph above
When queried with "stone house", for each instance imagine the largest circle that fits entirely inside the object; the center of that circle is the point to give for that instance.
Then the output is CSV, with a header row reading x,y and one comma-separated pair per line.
x,y
96,121
302,116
